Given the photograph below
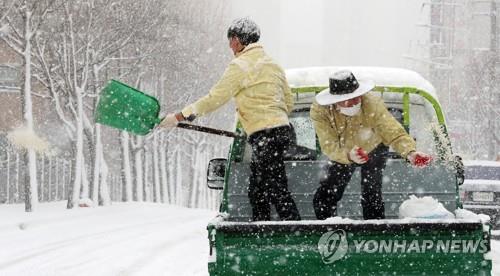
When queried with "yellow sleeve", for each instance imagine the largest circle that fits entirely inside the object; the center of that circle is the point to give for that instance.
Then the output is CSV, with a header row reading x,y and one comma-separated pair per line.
x,y
392,132
228,86
328,137
288,97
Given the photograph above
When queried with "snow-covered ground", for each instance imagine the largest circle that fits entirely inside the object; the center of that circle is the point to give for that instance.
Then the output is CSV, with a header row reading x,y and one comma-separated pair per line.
x,y
123,239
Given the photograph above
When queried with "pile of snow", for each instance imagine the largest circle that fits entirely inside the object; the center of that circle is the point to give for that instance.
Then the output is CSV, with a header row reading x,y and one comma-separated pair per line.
x,y
466,214
425,207
85,202
25,138
428,207
338,220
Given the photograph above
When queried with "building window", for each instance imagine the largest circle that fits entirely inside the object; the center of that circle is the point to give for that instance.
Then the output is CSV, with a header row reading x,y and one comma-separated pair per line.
x,y
9,76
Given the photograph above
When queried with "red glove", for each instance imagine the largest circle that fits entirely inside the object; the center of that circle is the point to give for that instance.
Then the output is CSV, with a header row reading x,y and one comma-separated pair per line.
x,y
419,159
358,155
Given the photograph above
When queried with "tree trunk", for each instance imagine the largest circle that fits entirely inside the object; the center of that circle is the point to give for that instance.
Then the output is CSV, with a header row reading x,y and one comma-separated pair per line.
x,y
171,157
178,179
126,170
156,171
31,185
139,173
147,184
195,181
79,160
164,176
97,164
105,198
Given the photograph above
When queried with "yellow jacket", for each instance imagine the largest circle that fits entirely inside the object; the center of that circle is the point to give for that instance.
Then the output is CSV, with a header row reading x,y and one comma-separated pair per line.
x,y
374,124
259,86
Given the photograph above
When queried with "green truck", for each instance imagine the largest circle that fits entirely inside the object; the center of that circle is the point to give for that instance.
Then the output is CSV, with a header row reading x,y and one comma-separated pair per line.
x,y
348,245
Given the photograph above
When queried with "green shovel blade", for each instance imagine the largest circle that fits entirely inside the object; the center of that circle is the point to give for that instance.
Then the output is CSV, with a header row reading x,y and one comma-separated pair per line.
x,y
126,108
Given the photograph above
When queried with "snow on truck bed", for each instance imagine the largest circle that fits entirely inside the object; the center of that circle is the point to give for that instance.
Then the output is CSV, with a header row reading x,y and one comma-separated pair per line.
x,y
346,221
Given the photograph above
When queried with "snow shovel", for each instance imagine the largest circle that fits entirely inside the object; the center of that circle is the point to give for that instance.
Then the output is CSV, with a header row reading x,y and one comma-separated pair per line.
x,y
126,108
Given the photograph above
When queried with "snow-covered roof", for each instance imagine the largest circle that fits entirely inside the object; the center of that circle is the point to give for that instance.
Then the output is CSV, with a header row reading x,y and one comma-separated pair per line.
x,y
9,89
482,163
481,185
382,76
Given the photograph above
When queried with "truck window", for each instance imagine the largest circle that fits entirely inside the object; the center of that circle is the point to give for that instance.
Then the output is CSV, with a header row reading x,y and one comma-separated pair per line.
x,y
302,138
397,113
422,123
304,129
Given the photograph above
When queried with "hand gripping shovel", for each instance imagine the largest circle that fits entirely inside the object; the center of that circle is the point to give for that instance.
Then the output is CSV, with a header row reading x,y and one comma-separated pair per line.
x,y
126,108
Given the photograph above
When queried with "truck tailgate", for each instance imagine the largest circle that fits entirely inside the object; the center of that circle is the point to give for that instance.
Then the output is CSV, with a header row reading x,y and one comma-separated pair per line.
x,y
350,247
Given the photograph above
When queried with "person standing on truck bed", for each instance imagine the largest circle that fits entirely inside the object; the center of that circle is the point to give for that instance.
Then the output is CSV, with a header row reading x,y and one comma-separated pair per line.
x,y
264,100
355,129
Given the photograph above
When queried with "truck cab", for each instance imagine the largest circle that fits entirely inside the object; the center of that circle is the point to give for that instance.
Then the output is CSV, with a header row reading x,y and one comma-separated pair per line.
x,y
347,244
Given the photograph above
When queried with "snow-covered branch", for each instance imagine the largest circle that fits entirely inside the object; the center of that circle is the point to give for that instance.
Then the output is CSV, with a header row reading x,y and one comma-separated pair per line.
x,y
7,11
16,46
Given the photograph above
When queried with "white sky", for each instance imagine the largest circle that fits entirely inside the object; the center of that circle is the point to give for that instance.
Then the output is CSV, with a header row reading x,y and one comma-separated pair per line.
x,y
300,33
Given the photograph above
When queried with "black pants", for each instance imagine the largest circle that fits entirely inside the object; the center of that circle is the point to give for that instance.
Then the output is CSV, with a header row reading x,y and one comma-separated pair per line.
x,y
268,181
338,176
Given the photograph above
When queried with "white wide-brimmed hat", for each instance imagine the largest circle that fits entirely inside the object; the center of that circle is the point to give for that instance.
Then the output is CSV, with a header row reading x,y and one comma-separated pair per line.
x,y
343,86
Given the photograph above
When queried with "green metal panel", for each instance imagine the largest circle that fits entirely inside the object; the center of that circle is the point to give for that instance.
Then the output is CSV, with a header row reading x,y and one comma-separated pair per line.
x,y
235,155
126,108
406,112
416,91
292,249
443,149
315,89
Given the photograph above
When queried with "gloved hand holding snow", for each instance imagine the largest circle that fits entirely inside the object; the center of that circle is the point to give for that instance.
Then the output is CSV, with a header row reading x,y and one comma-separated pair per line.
x,y
358,155
169,121
419,159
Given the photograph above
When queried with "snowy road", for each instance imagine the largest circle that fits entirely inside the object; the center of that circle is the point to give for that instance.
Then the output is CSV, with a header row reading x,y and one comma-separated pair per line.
x,y
123,239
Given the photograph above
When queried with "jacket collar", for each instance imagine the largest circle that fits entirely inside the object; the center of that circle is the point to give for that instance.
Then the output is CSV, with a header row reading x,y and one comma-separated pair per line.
x,y
249,47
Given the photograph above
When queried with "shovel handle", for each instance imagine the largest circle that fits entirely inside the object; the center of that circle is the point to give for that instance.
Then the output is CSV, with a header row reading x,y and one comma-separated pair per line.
x,y
209,130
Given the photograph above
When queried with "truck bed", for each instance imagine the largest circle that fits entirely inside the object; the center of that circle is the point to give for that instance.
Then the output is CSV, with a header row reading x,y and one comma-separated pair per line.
x,y
400,181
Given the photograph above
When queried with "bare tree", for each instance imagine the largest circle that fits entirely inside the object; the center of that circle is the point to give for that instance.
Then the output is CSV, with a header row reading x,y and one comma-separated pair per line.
x,y
90,35
170,49
24,19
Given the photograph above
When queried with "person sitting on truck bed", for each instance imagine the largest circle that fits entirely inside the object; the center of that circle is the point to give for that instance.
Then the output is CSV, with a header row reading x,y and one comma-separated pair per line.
x,y
264,100
355,129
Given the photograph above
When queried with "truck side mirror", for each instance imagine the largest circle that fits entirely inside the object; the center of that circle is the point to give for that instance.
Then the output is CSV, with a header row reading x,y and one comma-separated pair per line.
x,y
215,173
